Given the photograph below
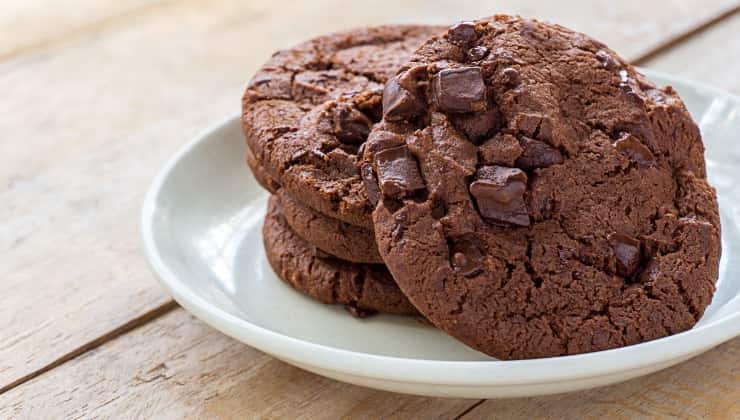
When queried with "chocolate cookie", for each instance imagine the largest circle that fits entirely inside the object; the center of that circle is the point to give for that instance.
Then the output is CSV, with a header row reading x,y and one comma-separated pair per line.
x,y
536,196
363,288
333,236
308,110
260,175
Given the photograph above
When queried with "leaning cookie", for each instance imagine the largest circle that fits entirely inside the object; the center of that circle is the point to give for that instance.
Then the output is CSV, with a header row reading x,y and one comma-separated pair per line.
x,y
333,236
308,110
363,288
536,196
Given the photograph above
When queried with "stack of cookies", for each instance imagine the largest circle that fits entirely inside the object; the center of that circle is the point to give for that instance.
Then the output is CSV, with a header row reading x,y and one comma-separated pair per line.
x,y
514,182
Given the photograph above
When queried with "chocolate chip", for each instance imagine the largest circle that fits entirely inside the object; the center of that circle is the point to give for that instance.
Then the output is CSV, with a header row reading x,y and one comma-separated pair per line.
x,y
359,312
466,257
502,149
606,60
478,125
537,154
477,53
398,172
499,194
371,184
462,33
438,209
401,99
630,146
510,76
627,253
459,89
350,125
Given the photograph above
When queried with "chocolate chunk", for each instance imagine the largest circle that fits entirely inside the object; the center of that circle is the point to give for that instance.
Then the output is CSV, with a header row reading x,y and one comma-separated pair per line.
x,y
467,257
511,77
502,149
398,172
359,312
459,89
477,53
479,125
537,154
606,60
462,33
371,184
499,194
627,253
630,146
401,100
350,125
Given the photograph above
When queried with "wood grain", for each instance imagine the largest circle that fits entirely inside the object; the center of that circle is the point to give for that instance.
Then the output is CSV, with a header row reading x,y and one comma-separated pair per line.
x,y
178,367
706,387
104,112
29,24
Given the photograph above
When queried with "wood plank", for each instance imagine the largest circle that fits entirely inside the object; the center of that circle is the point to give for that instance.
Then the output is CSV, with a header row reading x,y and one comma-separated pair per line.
x,y
706,387
709,385
29,24
712,56
195,372
116,104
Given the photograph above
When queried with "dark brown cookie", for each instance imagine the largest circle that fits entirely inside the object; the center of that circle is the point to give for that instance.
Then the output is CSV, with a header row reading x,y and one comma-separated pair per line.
x,y
309,109
333,236
538,197
363,288
260,175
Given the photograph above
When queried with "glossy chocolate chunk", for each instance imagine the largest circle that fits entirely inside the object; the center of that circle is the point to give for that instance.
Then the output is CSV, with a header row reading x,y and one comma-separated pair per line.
x,y
626,252
630,146
499,194
537,154
371,184
477,53
350,125
401,98
462,33
398,172
467,257
459,89
511,76
478,126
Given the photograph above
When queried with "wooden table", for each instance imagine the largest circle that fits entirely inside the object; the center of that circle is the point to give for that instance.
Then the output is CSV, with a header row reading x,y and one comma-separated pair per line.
x,y
97,94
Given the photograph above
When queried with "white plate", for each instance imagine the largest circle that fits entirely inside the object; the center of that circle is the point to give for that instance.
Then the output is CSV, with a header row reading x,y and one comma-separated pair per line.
x,y
201,225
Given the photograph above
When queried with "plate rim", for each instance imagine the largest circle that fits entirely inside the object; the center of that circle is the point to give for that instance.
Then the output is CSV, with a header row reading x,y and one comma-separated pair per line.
x,y
426,371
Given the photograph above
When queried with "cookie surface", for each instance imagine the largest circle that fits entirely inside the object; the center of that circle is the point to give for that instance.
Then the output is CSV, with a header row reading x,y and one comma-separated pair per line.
x,y
308,110
537,197
363,288
260,175
333,236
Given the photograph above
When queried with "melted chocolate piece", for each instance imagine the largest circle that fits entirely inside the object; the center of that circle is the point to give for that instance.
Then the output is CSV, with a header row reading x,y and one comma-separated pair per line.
x,y
466,257
627,253
459,89
477,53
401,97
511,76
537,154
350,125
398,172
499,194
371,184
479,125
637,152
462,33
